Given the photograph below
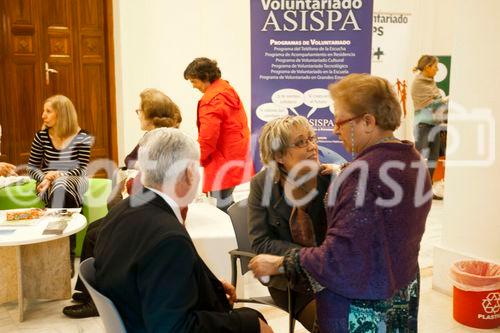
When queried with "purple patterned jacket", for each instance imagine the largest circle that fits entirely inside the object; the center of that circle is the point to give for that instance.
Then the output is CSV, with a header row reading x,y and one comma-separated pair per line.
x,y
371,246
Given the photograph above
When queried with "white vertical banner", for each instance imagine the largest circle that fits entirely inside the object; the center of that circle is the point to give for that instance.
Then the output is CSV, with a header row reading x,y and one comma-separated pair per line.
x,y
392,56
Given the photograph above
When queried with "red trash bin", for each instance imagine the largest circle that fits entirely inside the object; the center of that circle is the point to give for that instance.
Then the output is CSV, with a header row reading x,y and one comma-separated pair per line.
x,y
476,293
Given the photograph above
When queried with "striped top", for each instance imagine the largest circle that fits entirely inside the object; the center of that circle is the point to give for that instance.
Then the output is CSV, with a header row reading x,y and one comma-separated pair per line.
x,y
71,161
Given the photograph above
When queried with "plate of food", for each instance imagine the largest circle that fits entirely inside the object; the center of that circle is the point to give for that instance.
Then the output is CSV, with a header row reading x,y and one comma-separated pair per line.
x,y
21,217
61,212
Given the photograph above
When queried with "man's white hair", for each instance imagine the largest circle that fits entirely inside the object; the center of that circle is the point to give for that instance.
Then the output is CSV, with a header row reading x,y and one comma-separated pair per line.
x,y
164,154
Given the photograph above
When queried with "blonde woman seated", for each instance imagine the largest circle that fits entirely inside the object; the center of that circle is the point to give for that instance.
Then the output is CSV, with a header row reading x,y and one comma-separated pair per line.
x,y
59,155
283,214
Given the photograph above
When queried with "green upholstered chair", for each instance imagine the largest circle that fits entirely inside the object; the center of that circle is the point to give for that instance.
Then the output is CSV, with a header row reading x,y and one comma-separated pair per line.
x,y
20,196
94,201
95,205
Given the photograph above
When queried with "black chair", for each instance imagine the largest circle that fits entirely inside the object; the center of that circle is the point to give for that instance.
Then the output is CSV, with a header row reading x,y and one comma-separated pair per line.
x,y
238,214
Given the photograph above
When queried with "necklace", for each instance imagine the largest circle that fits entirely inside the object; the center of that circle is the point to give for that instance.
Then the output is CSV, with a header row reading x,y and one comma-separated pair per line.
x,y
386,139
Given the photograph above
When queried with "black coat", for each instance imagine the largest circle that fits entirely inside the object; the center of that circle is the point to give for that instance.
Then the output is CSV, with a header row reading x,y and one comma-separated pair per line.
x,y
268,221
147,265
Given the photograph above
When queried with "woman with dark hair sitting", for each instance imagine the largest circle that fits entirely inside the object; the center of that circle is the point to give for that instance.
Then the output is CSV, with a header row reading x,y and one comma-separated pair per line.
x,y
223,132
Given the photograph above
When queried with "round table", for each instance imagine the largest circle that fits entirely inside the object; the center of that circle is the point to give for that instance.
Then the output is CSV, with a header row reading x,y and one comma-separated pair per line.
x,y
213,236
36,266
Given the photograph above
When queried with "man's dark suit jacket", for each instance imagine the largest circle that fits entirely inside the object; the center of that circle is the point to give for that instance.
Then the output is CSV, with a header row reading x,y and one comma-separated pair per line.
x,y
148,266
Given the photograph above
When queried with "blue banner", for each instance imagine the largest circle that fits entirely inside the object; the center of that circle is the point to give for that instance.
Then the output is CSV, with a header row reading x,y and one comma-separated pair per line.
x,y
299,47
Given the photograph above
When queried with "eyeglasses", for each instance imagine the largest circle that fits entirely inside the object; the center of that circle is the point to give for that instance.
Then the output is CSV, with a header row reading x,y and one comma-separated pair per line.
x,y
301,143
339,123
138,111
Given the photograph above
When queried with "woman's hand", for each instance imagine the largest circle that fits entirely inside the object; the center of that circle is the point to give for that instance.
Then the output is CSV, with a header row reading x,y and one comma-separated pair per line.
x,y
264,328
7,169
43,186
329,169
265,264
52,175
230,291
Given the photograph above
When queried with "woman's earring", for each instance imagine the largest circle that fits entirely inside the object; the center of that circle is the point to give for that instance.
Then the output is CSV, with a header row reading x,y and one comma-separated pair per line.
x,y
353,152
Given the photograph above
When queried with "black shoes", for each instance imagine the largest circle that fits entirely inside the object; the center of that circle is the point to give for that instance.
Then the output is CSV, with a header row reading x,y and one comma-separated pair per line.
x,y
436,197
83,310
81,297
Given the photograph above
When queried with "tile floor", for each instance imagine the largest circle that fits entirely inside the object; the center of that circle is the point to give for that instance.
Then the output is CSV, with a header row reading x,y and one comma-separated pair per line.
x,y
435,308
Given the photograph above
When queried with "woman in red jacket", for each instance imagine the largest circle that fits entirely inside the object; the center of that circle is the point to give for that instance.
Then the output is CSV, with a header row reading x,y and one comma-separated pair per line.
x,y
223,132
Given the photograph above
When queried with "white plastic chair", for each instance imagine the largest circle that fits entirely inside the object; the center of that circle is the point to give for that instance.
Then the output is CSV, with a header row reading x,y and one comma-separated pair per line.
x,y
109,315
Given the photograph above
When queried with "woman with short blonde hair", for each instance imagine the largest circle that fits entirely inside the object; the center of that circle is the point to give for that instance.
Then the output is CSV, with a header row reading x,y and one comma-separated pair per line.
x,y
275,139
280,216
370,95
159,109
156,110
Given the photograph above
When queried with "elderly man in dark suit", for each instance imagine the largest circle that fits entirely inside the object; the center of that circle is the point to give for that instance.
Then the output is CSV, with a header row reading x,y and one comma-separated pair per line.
x,y
146,262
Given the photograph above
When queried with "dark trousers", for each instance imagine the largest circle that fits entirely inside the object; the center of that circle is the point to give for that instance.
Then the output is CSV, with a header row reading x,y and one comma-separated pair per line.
x,y
88,250
428,143
224,198
60,198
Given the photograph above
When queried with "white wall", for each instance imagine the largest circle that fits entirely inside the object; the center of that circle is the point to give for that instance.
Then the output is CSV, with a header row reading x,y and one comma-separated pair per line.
x,y
156,39
471,226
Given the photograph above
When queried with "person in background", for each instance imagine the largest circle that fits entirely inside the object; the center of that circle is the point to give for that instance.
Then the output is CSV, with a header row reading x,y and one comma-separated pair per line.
x,y
223,132
7,169
150,268
275,226
365,274
59,157
156,110
430,112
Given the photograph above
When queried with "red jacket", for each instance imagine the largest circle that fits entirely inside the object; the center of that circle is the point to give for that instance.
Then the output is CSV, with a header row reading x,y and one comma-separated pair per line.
x,y
224,138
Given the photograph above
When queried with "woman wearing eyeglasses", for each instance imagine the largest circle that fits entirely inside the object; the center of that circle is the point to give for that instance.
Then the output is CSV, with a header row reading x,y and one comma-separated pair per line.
x,y
285,211
156,110
365,273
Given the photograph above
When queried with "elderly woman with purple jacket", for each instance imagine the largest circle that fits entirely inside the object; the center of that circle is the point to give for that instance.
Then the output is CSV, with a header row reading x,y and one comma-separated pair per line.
x,y
365,273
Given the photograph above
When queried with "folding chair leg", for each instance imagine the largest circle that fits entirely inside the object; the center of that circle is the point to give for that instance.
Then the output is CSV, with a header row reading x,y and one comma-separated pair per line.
x,y
291,310
234,271
291,323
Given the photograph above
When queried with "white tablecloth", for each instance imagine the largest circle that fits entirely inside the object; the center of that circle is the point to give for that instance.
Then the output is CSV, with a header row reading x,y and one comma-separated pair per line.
x,y
213,237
